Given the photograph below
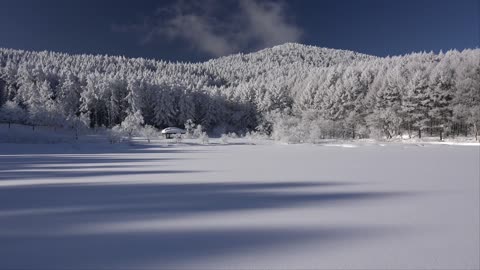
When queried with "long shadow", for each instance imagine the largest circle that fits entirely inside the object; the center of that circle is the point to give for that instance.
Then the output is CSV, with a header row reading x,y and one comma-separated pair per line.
x,y
91,148
165,250
39,223
35,174
44,162
178,198
30,218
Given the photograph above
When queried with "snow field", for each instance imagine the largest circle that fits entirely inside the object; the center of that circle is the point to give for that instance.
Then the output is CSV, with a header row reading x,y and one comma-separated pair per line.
x,y
237,206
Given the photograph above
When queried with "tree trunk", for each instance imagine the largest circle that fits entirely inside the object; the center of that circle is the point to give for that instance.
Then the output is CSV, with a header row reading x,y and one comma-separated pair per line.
x,y
389,136
419,133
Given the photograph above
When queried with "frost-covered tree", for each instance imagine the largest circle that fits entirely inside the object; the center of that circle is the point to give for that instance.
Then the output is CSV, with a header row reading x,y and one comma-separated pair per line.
x,y
10,113
189,128
466,102
149,132
387,121
132,124
69,95
115,134
414,101
78,123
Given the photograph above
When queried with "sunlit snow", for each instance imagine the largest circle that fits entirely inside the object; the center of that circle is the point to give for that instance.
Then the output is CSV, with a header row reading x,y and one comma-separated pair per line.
x,y
242,205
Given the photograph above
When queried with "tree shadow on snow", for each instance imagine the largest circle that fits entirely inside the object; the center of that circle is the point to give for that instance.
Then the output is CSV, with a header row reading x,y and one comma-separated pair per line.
x,y
55,162
91,148
36,222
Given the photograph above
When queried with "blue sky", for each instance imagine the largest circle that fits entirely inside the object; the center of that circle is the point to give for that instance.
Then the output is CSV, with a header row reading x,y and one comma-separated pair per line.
x,y
198,30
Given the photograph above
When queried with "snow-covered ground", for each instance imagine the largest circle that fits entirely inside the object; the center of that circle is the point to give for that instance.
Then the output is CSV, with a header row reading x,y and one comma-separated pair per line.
x,y
239,206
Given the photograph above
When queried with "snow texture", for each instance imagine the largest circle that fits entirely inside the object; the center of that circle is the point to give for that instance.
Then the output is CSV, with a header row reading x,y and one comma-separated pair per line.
x,y
239,206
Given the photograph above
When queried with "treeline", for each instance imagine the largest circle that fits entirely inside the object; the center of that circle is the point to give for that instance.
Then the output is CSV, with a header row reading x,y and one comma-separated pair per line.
x,y
292,92
418,94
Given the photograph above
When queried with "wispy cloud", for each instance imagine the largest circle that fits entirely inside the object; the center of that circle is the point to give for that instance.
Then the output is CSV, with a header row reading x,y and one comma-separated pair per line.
x,y
209,27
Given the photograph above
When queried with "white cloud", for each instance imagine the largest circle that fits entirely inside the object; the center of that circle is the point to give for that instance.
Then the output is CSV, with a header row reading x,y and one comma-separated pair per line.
x,y
267,23
207,27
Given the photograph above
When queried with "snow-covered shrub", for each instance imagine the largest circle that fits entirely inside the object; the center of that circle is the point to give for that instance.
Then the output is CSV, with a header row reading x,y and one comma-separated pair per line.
x,y
312,128
362,131
203,138
286,129
232,135
198,131
178,137
224,139
253,136
149,132
265,127
115,134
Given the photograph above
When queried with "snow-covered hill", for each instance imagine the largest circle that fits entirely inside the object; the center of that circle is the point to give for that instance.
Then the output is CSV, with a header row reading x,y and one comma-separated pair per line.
x,y
293,53
284,57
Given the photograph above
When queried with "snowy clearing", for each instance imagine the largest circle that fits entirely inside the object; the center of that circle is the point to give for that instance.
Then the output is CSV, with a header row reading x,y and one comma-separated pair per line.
x,y
239,206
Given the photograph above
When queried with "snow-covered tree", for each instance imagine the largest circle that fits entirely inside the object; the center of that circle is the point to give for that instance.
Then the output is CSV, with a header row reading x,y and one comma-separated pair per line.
x,y
115,134
388,121
78,123
132,124
189,128
149,132
10,113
